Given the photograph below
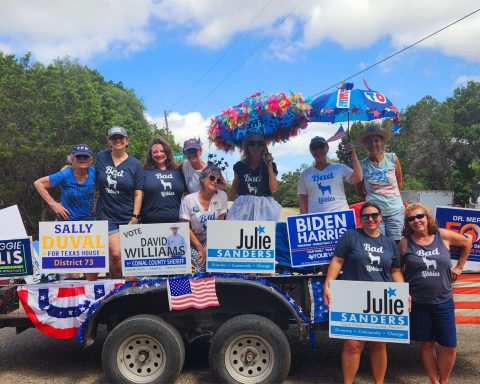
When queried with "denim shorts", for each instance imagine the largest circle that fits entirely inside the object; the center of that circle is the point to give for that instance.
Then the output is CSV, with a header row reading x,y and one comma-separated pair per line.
x,y
113,228
434,322
392,226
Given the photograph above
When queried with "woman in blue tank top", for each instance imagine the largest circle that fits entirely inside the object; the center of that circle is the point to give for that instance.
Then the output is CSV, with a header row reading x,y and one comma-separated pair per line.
x,y
427,267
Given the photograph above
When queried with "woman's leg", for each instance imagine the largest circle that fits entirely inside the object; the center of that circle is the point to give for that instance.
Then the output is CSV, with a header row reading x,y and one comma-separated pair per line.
x,y
446,360
429,358
114,255
352,350
378,360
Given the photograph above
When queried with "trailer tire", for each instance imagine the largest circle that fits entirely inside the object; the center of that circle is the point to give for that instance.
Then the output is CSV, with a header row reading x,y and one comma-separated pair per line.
x,y
143,349
250,349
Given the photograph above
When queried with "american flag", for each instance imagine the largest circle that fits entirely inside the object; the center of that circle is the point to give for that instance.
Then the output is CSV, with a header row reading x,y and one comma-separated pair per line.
x,y
466,296
58,310
186,293
339,135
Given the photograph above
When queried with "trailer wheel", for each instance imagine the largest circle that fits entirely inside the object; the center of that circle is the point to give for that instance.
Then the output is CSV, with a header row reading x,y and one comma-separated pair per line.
x,y
143,349
250,349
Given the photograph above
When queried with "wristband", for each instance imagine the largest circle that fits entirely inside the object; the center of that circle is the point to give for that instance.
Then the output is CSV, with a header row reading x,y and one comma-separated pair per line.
x,y
136,216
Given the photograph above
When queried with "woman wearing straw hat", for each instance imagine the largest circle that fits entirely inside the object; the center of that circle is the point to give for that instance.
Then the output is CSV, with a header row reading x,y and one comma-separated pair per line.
x,y
382,179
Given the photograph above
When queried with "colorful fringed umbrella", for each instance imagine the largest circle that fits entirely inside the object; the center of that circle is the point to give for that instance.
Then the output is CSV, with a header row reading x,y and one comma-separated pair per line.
x,y
277,117
348,104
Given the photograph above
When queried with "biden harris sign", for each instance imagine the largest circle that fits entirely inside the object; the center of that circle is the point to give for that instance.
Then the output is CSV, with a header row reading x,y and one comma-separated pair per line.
x,y
313,237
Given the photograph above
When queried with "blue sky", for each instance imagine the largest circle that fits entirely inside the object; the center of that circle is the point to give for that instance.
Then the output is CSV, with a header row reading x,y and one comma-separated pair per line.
x,y
161,49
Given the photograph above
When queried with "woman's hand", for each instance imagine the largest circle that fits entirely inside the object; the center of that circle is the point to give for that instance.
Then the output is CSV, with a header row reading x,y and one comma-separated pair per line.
x,y
456,271
349,147
327,297
202,255
269,158
60,210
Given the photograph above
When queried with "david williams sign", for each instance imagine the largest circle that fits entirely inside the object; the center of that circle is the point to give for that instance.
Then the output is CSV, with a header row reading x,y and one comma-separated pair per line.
x,y
73,246
313,237
372,311
241,246
155,249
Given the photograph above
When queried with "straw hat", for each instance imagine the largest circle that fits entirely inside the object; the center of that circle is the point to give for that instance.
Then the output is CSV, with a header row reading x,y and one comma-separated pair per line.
x,y
373,130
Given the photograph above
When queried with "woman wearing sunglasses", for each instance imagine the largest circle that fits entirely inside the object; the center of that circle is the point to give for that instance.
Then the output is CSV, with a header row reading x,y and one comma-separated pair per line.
x,y
364,255
255,179
382,179
427,267
163,187
210,203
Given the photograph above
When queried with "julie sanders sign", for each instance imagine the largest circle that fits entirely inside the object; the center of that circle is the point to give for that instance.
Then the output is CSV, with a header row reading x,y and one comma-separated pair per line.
x,y
367,310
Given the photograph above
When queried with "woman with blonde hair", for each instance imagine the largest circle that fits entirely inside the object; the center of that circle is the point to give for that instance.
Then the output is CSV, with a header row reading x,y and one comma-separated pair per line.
x,y
427,267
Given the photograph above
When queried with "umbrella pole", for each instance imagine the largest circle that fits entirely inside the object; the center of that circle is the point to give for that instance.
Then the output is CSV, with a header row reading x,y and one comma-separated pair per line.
x,y
348,125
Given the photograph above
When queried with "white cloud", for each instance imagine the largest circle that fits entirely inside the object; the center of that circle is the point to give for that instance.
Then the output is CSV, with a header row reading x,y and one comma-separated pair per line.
x,y
84,29
80,29
184,127
464,79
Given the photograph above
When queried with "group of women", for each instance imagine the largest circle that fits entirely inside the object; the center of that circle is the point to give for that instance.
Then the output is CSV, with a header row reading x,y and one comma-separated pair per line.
x,y
161,191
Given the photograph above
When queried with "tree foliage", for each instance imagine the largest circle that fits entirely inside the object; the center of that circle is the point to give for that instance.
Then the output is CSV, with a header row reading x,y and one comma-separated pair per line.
x,y
45,111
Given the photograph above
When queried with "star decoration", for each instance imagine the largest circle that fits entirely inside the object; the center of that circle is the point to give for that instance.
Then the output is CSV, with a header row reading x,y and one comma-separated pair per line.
x,y
391,292
261,229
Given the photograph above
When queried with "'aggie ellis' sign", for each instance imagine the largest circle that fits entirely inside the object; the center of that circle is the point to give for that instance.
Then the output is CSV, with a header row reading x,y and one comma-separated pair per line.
x,y
73,246
366,310
241,246
15,258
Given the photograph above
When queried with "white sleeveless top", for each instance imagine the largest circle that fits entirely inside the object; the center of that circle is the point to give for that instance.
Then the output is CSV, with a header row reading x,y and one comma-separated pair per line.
x,y
192,177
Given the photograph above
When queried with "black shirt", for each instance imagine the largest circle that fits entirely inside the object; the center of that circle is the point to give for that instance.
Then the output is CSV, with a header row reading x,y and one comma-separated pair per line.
x,y
253,181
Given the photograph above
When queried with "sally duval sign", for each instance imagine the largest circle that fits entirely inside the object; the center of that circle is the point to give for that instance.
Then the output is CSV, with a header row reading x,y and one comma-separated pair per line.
x,y
155,249
313,237
241,246
73,246
372,311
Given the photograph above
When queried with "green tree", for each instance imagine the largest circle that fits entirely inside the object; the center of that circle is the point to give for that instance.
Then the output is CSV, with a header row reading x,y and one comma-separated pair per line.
x,y
47,109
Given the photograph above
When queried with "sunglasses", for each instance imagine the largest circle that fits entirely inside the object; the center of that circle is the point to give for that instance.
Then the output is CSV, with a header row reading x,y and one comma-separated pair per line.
x,y
218,179
82,157
373,140
366,216
258,143
418,216
317,146
191,151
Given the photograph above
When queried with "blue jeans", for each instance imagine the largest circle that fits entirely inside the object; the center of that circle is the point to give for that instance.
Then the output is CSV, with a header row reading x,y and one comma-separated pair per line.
x,y
392,226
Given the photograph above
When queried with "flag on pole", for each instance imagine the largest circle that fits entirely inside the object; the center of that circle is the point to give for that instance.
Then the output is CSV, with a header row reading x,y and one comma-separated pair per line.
x,y
186,293
58,310
340,134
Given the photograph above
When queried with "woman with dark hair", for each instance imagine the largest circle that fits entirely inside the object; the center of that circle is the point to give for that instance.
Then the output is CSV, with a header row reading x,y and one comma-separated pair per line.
x,y
210,203
427,267
255,179
364,255
164,185
120,182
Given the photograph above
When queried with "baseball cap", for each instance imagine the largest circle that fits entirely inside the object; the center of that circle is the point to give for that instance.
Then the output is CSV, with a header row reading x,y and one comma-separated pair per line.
x,y
81,149
117,131
318,139
192,144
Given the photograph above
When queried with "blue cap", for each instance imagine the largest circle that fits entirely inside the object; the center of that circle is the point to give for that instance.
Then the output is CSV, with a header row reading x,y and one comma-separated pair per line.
x,y
81,149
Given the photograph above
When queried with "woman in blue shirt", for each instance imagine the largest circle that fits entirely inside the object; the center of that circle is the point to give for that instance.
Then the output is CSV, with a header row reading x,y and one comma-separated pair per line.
x,y
78,186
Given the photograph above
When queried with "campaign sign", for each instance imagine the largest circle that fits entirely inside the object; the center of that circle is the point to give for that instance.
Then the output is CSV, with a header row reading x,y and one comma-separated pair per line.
x,y
73,246
371,311
467,223
16,258
241,246
313,237
155,249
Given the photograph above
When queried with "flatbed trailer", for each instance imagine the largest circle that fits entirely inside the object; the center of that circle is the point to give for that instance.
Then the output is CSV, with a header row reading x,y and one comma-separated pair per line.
x,y
146,340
